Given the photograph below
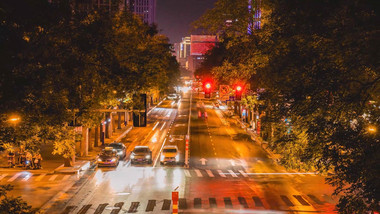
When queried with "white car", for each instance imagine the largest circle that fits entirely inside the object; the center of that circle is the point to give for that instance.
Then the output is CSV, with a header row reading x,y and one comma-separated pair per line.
x,y
170,154
172,97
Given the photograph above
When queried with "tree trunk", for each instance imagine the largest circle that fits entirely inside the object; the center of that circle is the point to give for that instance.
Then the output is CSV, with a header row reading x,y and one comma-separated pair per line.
x,y
119,120
96,138
68,162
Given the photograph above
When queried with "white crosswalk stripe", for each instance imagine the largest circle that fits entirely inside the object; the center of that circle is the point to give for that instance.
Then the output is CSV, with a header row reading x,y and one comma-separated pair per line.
x,y
14,177
232,173
187,173
66,177
199,174
27,177
243,173
209,173
221,173
3,176
40,177
52,178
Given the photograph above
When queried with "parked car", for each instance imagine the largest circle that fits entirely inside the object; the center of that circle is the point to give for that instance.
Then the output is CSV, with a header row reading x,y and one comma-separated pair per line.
x,y
120,149
108,157
141,154
170,154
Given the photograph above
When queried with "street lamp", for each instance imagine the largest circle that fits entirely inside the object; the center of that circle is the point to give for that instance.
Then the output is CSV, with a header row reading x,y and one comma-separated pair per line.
x,y
372,129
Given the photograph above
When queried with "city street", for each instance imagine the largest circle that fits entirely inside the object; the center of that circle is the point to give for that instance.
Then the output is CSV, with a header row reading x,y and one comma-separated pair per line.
x,y
228,173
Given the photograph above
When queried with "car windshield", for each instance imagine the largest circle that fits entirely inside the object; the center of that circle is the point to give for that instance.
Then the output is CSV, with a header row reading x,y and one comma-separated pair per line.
x,y
170,150
116,146
140,150
107,153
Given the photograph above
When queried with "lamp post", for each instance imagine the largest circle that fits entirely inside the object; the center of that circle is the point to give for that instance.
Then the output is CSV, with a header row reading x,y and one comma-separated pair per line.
x,y
14,120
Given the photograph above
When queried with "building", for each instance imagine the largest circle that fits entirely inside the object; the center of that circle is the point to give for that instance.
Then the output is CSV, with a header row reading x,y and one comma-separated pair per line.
x,y
199,46
146,9
182,51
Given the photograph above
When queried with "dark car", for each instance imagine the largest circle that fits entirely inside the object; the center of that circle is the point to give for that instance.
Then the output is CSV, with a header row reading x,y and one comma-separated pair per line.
x,y
119,147
141,154
108,157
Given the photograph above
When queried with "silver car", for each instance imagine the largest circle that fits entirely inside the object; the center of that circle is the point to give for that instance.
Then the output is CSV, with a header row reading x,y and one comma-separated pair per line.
x,y
141,154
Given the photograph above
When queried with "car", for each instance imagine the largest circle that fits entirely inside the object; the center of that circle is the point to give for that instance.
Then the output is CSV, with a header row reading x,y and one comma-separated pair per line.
x,y
108,157
173,97
119,147
170,154
141,154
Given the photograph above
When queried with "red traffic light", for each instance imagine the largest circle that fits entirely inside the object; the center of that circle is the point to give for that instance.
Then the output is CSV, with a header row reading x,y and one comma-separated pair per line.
x,y
238,88
208,85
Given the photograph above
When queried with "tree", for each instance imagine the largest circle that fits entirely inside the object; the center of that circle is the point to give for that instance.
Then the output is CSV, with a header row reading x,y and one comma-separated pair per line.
x,y
319,67
12,205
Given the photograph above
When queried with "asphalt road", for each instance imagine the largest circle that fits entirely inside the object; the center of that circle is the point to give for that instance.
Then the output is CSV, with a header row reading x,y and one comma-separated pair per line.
x,y
228,172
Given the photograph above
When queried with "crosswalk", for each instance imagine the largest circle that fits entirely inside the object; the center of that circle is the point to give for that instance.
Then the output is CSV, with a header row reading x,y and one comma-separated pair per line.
x,y
185,204
27,177
188,173
240,173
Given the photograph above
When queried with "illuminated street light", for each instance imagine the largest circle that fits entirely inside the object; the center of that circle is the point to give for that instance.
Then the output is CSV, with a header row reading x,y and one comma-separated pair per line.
x,y
372,129
208,85
14,119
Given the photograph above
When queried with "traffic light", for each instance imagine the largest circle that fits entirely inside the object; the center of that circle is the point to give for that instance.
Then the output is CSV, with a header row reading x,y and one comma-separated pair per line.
x,y
207,90
238,92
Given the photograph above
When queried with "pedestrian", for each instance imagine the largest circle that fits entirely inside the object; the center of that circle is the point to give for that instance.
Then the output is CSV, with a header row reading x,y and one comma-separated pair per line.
x,y
28,159
39,160
35,161
11,159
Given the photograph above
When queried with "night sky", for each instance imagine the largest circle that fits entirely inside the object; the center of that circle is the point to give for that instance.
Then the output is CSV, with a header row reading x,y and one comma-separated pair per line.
x,y
174,16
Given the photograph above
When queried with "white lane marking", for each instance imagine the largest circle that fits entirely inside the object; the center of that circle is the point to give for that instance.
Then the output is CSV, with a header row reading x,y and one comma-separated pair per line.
x,y
199,174
66,177
232,173
159,153
221,173
3,176
209,173
52,178
40,177
243,173
27,177
282,173
14,177
155,125
187,173
163,125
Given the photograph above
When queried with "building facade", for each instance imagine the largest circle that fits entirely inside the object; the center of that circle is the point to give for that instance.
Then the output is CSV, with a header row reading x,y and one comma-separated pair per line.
x,y
146,9
199,46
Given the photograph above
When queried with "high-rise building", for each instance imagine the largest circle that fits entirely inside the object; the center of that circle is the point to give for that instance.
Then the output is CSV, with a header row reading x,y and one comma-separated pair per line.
x,y
199,46
182,51
144,8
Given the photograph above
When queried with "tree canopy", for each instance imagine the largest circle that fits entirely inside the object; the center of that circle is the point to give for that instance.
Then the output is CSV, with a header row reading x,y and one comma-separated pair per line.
x,y
316,64
58,65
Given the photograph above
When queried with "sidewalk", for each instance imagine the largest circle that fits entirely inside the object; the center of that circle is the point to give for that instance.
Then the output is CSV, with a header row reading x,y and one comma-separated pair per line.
x,y
54,163
257,139
86,162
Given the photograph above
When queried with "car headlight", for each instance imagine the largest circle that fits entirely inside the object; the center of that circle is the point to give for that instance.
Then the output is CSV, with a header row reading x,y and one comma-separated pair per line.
x,y
113,159
177,157
147,156
132,156
99,159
